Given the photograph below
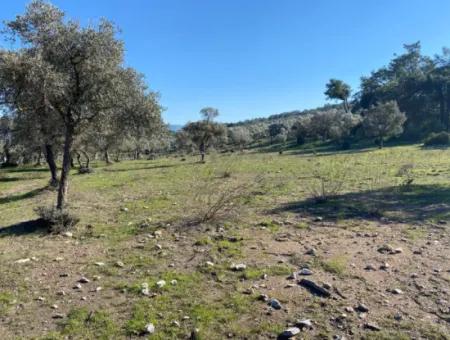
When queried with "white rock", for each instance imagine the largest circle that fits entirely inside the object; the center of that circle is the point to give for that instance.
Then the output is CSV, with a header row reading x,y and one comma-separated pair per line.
x,y
149,328
23,261
239,266
161,283
290,333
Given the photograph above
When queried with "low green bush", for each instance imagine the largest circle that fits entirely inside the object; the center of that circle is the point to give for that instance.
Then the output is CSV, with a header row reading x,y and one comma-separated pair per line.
x,y
437,139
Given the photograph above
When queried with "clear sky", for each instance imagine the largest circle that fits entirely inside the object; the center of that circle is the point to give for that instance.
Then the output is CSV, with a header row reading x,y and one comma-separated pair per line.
x,y
253,58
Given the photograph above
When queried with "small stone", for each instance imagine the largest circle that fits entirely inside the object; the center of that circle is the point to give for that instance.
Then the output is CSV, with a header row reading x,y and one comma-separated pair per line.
x,y
238,267
327,285
414,275
396,291
370,267
77,286
158,246
397,251
263,297
176,323
289,333
161,283
61,292
173,282
305,271
120,264
124,209
68,234
209,264
21,261
304,324
40,298
149,328
385,266
58,259
275,304
372,326
349,309
362,308
311,252
385,248
83,298
171,265
54,307
58,316
157,233
99,264
84,280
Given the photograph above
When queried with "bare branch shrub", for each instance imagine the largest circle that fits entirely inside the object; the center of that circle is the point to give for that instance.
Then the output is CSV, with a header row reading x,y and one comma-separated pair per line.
x,y
327,179
216,198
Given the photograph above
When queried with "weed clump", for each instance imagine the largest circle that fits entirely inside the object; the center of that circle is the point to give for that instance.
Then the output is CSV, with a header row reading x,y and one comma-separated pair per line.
x,y
56,220
85,170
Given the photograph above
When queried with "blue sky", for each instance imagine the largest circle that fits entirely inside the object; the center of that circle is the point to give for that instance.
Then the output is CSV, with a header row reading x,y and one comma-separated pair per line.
x,y
253,58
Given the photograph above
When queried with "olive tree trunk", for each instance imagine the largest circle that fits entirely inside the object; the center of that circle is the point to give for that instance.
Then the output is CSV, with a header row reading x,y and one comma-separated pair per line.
x,y
64,182
50,159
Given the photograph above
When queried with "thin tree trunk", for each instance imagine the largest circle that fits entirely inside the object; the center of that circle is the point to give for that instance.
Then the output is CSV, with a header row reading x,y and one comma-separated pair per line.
x,y
86,156
108,161
64,183
50,158
8,155
39,158
202,152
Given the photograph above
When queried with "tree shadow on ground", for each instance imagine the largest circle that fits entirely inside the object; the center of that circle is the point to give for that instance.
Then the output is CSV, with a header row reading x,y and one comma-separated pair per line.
x,y
37,226
415,203
163,166
26,169
29,194
10,179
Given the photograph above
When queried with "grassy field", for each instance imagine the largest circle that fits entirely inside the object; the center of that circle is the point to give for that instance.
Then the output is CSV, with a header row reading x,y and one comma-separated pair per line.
x,y
138,227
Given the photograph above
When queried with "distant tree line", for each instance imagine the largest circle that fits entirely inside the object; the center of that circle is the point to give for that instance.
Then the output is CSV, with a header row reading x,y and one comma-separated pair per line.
x,y
408,99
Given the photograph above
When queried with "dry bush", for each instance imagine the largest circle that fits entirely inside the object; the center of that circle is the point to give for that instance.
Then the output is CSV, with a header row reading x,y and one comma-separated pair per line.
x,y
57,221
327,179
407,176
216,198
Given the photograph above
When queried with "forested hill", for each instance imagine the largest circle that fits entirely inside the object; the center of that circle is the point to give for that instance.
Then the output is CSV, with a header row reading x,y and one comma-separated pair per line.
x,y
284,117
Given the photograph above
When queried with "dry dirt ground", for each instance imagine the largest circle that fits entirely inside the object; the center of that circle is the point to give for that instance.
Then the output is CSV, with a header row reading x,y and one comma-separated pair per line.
x,y
387,277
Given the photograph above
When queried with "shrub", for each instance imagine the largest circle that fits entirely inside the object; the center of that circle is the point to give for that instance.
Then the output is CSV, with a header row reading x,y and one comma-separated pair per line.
x,y
56,220
437,139
85,170
327,180
218,197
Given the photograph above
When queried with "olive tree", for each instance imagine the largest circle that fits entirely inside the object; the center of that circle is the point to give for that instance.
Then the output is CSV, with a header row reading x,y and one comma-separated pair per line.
x,y
383,120
203,133
240,136
83,66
